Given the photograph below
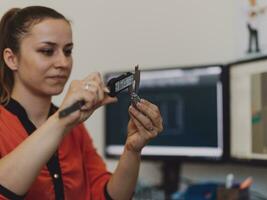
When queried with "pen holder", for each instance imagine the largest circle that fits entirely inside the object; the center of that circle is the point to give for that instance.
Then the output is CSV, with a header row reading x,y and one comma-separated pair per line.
x,y
232,194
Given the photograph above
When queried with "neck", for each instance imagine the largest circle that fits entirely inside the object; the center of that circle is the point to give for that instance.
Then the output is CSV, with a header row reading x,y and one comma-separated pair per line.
x,y
37,107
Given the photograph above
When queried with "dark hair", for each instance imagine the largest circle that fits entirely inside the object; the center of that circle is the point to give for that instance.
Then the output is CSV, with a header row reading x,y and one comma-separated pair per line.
x,y
14,25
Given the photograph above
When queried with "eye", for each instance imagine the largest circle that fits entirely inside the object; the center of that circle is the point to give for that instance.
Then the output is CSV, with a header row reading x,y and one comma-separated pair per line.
x,y
47,52
68,52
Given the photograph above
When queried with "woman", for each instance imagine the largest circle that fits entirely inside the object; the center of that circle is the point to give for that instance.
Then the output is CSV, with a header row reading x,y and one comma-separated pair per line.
x,y
44,156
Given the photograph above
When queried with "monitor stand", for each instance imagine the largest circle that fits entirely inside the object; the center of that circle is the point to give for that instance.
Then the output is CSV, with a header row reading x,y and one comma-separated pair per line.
x,y
170,177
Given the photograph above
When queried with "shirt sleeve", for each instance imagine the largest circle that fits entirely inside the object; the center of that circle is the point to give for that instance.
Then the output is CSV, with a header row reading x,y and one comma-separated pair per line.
x,y
2,197
96,168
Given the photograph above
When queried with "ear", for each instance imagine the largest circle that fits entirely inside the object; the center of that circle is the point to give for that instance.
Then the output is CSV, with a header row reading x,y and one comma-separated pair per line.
x,y
10,59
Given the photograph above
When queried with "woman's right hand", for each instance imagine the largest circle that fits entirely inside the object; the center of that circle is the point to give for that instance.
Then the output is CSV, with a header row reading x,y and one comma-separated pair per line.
x,y
93,91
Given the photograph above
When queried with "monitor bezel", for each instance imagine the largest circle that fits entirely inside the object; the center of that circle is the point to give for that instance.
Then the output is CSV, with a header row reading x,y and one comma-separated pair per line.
x,y
225,112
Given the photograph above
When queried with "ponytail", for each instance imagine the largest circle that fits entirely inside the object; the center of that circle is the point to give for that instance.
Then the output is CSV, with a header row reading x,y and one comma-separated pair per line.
x,y
6,75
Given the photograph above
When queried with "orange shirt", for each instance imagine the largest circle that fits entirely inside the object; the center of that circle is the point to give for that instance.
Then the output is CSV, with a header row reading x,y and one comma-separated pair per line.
x,y
83,172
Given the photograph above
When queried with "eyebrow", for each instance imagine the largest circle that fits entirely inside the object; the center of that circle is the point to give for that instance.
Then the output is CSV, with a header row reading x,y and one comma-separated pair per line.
x,y
55,44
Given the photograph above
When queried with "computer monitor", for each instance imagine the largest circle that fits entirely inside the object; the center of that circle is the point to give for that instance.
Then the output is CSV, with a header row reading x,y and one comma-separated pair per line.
x,y
192,103
248,103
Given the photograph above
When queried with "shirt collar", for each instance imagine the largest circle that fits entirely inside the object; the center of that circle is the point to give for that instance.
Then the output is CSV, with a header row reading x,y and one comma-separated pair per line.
x,y
17,109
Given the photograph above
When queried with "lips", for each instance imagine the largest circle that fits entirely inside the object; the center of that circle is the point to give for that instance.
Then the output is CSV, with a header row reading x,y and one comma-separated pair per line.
x,y
58,77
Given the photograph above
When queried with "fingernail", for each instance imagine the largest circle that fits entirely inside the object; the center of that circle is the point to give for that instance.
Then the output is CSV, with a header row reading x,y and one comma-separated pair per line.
x,y
132,109
106,90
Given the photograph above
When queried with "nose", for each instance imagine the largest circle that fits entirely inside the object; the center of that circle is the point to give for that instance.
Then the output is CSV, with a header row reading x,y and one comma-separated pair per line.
x,y
63,61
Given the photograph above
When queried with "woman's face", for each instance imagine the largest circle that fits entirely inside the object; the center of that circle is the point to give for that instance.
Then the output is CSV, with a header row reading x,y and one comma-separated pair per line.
x,y
45,59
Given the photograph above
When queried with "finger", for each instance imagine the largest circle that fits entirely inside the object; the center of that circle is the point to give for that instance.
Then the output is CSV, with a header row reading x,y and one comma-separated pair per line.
x,y
100,92
109,100
94,85
149,104
143,119
100,98
150,109
97,80
75,93
152,113
96,95
89,96
138,125
142,130
102,85
156,116
95,76
106,90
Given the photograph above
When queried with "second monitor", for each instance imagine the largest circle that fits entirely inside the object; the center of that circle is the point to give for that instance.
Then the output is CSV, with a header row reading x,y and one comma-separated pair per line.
x,y
248,81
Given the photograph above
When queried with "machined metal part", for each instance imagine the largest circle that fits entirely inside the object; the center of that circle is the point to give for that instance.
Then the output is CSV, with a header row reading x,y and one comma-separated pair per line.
x,y
116,85
133,89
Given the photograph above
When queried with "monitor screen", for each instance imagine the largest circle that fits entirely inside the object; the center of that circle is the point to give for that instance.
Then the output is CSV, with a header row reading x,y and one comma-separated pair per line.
x,y
248,92
191,104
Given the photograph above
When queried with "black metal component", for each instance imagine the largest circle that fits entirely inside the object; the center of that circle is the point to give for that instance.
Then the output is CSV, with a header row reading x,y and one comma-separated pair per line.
x,y
115,85
120,83
74,107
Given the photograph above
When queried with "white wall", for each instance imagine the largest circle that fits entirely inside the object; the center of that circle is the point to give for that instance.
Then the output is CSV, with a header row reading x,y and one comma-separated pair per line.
x,y
115,35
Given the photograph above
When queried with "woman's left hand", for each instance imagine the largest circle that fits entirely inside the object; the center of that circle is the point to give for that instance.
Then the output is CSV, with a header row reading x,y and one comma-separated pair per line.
x,y
145,123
